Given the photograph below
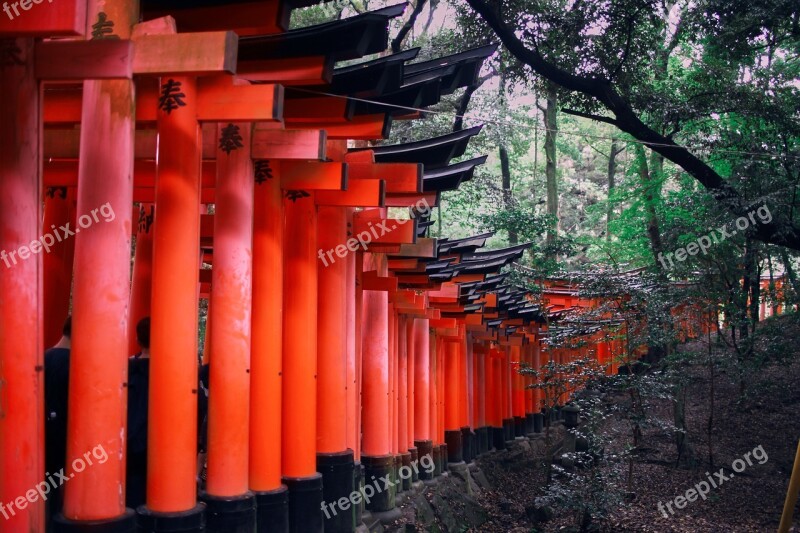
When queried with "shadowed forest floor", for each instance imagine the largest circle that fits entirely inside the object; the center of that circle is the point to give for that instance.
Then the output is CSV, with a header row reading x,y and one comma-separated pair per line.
x,y
767,416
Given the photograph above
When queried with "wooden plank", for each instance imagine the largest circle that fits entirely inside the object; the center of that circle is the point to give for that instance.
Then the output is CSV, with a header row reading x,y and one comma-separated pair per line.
x,y
400,177
467,278
313,175
384,248
102,59
365,128
65,174
362,156
406,297
288,144
219,99
415,313
370,281
359,193
147,195
385,230
186,53
424,247
304,145
312,70
62,105
433,314
474,319
245,18
449,323
404,199
322,109
450,334
404,264
29,18
413,279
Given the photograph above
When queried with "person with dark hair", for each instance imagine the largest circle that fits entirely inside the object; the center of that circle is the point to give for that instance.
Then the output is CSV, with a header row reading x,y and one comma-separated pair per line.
x,y
138,389
56,392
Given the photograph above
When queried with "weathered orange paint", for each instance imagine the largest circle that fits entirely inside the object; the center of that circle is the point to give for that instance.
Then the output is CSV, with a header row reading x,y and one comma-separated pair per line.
x,y
422,379
402,380
59,209
299,421
172,430
142,280
266,362
332,321
375,429
21,335
101,289
231,298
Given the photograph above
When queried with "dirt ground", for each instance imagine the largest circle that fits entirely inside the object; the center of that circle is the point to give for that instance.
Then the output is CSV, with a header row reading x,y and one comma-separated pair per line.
x,y
750,501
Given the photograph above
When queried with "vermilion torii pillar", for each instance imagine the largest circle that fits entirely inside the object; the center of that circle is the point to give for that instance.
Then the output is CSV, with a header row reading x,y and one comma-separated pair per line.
x,y
402,397
422,391
484,429
21,336
334,460
410,373
299,420
59,210
266,385
231,297
142,281
377,455
172,433
95,498
452,408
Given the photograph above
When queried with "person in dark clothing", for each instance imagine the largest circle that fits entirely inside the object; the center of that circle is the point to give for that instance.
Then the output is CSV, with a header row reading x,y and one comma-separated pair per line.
x,y
202,424
56,391
138,389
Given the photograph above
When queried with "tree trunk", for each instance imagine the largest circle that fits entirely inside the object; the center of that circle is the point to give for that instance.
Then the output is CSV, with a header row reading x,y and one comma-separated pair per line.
x,y
463,105
686,457
647,179
397,42
787,264
612,169
551,130
505,169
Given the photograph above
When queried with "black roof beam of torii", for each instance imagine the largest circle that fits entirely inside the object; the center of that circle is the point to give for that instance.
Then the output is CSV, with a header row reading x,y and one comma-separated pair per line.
x,y
425,83
469,61
450,177
350,38
367,79
433,153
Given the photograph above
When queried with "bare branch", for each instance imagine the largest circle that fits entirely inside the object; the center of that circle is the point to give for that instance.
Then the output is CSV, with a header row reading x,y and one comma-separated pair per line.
x,y
598,118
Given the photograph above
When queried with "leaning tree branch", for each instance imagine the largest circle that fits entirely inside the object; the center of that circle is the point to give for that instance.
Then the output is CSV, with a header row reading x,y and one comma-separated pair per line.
x,y
781,232
397,42
598,118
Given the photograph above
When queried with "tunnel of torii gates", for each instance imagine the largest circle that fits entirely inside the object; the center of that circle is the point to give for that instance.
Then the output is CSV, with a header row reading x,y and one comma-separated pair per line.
x,y
325,369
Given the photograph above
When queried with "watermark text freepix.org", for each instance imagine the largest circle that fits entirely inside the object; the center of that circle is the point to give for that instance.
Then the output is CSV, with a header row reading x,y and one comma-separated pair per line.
x,y
366,492
702,489
421,208
25,5
46,241
53,482
716,236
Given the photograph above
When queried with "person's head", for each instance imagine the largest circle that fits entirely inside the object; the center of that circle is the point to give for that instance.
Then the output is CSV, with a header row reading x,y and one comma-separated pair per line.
x,y
66,330
143,332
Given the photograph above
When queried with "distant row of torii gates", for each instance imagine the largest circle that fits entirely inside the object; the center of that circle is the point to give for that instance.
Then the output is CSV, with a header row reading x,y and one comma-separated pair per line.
x,y
325,369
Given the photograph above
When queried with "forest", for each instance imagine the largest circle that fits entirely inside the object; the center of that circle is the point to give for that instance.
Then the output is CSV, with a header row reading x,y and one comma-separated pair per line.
x,y
648,149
